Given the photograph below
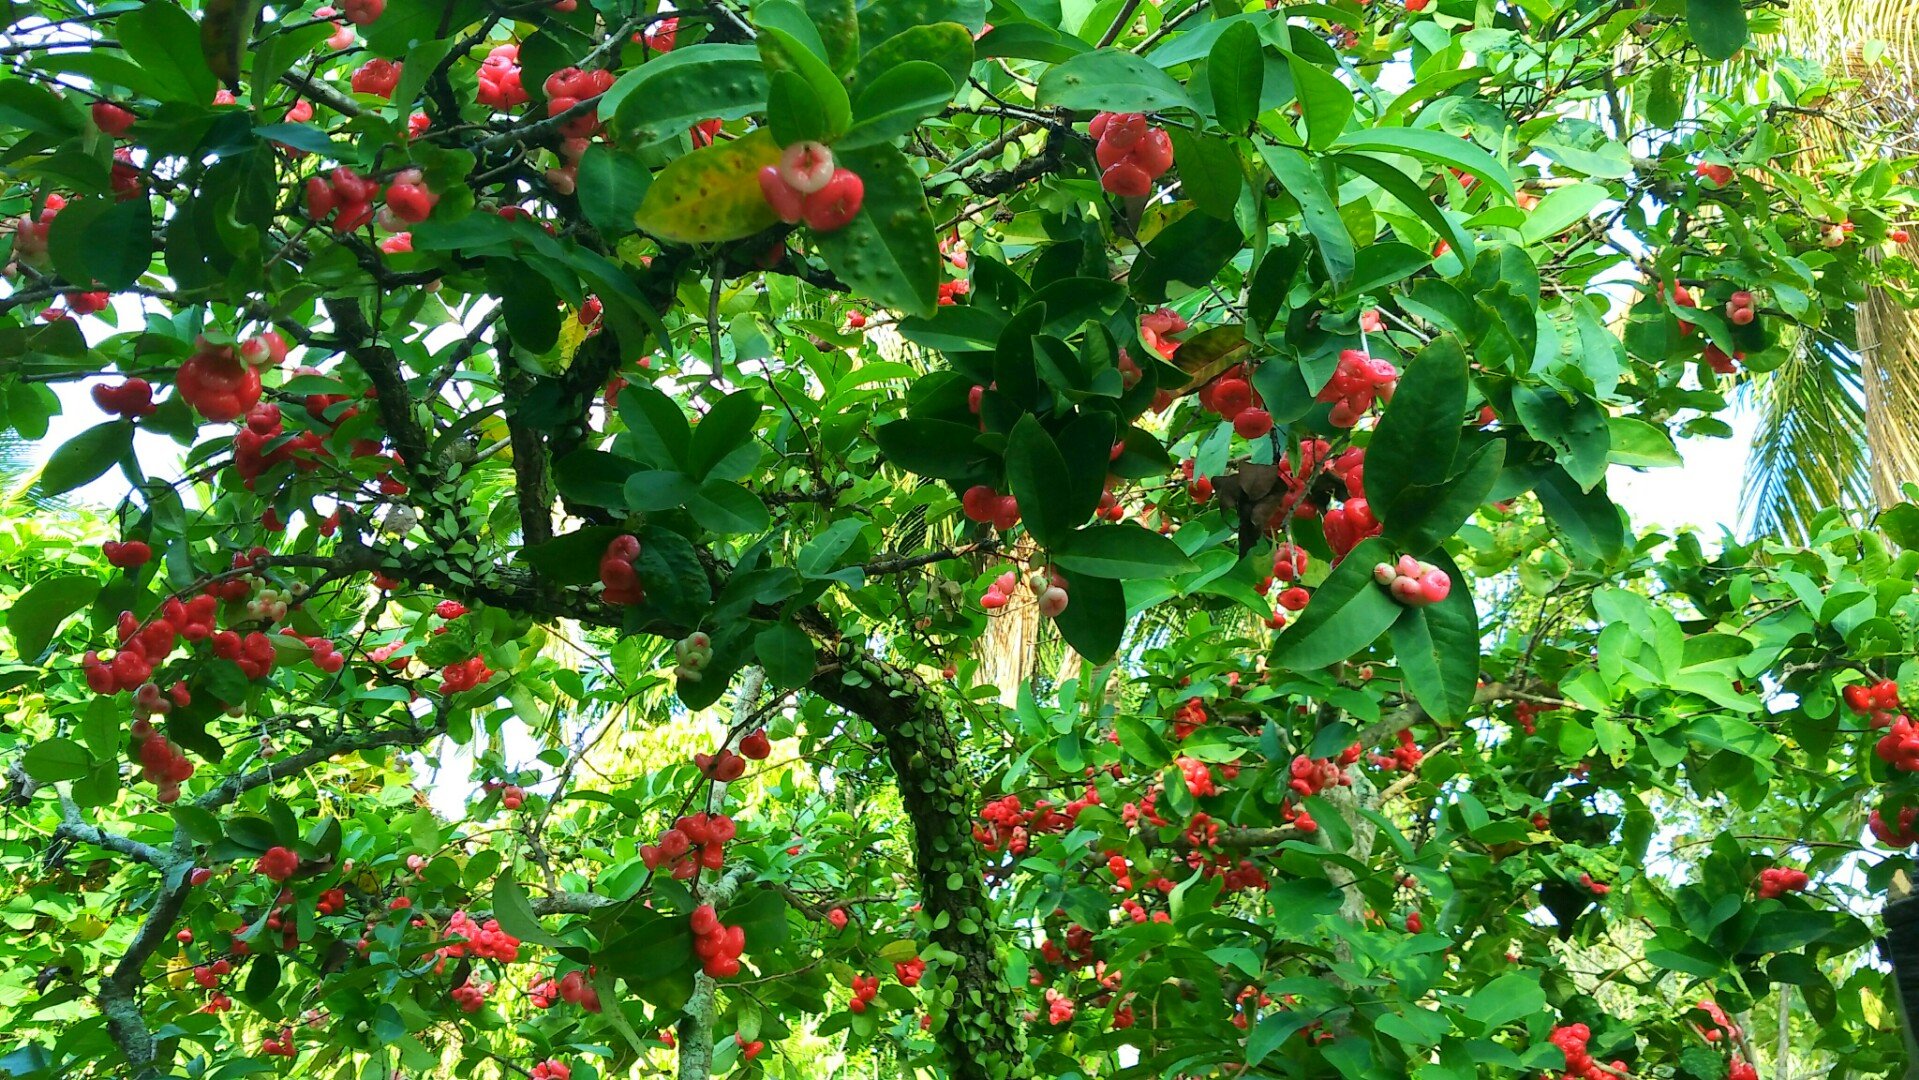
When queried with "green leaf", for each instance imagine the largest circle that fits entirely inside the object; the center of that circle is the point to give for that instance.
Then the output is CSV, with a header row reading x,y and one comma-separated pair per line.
x,y
1900,523
887,253
713,194
1505,999
263,978
794,111
28,106
896,103
1095,618
1326,102
1588,519
1111,80
1560,208
52,760
668,94
1718,27
1635,442
84,458
1437,146
36,614
1348,612
787,655
572,559
655,427
1036,472
530,307
1412,197
838,26
165,41
762,917
946,45
724,429
515,912
1577,431
1120,552
1437,647
724,507
937,448
1418,436
1272,1031
1425,516
1184,256
781,51
611,187
1210,172
1387,263
1321,214
1236,73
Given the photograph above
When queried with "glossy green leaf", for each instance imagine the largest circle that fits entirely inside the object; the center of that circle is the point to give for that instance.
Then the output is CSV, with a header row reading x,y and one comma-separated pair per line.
x,y
887,252
665,96
713,193
1437,647
1111,80
1120,552
1418,435
1349,611
1304,183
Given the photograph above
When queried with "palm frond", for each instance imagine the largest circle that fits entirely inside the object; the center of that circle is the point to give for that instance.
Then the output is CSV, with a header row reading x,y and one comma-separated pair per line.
x,y
1810,450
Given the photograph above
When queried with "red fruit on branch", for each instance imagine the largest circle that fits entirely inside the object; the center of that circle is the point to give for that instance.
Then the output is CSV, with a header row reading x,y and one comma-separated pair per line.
x,y
111,118
278,864
756,746
217,383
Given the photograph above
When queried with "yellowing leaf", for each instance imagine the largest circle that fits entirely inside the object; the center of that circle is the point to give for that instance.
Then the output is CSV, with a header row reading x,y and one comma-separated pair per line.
x,y
711,194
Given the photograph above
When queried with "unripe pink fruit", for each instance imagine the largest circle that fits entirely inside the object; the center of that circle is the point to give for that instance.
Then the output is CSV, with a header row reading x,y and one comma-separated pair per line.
x,y
806,166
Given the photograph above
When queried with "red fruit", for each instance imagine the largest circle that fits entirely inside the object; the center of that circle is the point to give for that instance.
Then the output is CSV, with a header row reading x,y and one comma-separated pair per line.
x,y
1899,236
1253,423
806,166
217,384
756,746
1719,175
377,77
111,118
409,199
788,205
1127,180
278,864
1230,397
835,203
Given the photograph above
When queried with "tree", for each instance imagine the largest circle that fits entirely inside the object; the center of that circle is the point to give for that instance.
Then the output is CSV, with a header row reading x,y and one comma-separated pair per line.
x,y
686,394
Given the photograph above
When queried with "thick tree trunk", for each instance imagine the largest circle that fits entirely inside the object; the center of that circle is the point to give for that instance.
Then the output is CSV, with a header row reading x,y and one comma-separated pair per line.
x,y
982,1036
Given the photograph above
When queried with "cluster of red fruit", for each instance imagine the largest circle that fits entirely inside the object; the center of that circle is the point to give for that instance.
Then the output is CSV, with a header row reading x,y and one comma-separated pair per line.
x,y
552,1069
471,996
1157,327
1580,1065
281,1046
571,988
208,976
984,504
1356,383
695,841
30,231
1131,153
1527,713
343,194
1006,823
1718,175
617,573
1879,701
1597,888
569,87
1903,835
470,938
161,763
1776,881
1188,718
1405,757
1197,777
1414,583
807,186
132,399
128,555
253,653
910,972
865,988
500,78
464,675
1739,309
717,945
218,382
277,864
1899,746
141,648
723,765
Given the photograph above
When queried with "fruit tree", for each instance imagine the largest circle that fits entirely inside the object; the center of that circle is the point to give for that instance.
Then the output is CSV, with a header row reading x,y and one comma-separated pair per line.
x,y
932,537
